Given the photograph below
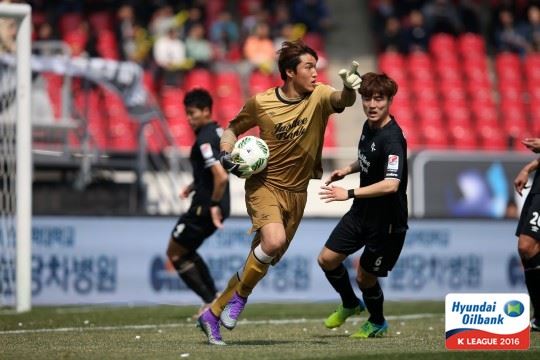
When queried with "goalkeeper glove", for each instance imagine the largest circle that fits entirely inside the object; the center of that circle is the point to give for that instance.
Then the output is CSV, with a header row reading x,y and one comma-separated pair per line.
x,y
351,78
240,170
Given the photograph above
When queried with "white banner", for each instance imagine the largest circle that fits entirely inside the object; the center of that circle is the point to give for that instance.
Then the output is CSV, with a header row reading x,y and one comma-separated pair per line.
x,y
122,260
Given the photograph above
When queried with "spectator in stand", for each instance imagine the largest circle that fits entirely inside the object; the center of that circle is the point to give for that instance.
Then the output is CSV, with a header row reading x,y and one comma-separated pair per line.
x,y
198,48
384,9
224,34
393,38
45,33
507,35
471,15
259,49
256,14
125,28
194,17
8,33
170,57
312,13
442,16
281,19
286,34
417,36
531,29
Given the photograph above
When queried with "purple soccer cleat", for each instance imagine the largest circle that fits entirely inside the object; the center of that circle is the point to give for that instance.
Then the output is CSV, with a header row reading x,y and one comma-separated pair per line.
x,y
232,311
209,324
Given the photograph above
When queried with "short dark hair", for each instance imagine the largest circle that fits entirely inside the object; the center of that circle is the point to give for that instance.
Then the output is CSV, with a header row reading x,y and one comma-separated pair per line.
x,y
381,84
289,56
199,98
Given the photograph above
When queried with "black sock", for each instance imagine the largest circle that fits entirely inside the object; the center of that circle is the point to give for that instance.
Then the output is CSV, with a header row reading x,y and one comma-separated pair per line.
x,y
190,274
204,271
339,279
532,280
374,299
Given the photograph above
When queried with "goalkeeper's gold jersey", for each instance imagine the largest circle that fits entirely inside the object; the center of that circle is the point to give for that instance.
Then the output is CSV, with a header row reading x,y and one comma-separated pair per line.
x,y
294,132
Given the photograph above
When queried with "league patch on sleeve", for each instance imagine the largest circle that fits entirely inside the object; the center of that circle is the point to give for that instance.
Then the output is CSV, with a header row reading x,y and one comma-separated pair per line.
x,y
206,151
393,162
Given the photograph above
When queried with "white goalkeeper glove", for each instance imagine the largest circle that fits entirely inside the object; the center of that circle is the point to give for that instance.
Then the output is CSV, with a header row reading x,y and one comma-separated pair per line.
x,y
351,78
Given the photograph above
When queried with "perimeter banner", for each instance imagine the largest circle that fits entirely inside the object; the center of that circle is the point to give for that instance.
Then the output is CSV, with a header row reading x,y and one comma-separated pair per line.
x,y
487,321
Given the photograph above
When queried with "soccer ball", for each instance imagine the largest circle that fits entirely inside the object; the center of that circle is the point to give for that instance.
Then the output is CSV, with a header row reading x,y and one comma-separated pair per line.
x,y
251,151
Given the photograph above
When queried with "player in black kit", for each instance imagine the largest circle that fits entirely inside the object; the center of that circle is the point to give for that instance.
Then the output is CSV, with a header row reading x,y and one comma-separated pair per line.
x,y
528,229
210,205
378,217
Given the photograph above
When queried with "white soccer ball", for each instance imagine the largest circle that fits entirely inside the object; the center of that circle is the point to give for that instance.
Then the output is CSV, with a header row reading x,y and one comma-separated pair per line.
x,y
251,151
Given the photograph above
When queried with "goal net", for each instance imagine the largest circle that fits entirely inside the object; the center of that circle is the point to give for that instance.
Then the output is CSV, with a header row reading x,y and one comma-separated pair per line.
x,y
15,157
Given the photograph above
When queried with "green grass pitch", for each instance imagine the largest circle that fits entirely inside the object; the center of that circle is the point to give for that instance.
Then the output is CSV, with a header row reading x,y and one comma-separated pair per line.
x,y
267,331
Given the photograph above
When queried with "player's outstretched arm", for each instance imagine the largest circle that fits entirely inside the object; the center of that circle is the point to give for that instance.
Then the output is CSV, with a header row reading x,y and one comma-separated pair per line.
x,y
339,174
351,82
532,144
520,182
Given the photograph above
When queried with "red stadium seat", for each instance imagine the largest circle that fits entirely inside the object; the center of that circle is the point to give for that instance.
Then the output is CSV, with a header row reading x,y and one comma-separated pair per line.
x,y
259,82
493,138
452,92
513,117
106,45
70,22
430,114
531,67
457,114
462,137
486,117
101,20
448,72
476,71
330,134
443,45
388,60
471,45
228,84
510,92
435,137
480,93
419,67
199,78
411,135
403,115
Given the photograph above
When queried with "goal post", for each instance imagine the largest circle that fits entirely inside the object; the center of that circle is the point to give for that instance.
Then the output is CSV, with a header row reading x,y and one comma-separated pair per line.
x,y
19,210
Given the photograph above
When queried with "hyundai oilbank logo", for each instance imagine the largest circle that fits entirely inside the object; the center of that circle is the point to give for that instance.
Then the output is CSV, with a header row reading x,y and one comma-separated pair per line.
x,y
513,308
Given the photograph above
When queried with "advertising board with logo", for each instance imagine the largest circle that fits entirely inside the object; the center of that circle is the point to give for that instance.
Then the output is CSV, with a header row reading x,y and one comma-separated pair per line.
x,y
487,321
122,260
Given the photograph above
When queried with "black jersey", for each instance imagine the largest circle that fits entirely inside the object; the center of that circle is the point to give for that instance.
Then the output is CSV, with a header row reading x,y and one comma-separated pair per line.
x,y
204,154
382,154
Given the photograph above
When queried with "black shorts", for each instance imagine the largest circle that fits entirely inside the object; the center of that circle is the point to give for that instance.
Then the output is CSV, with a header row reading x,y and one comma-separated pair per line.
x,y
193,227
529,221
381,251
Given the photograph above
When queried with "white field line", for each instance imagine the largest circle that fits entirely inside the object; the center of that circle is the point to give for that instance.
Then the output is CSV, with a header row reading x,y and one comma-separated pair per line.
x,y
181,325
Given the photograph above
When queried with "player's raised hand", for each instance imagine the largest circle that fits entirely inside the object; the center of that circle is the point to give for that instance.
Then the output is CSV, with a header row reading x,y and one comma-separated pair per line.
x,y
351,78
336,175
217,217
532,144
333,193
520,181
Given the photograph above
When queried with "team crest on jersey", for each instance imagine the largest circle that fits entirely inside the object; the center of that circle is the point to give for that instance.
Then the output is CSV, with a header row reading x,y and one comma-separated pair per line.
x,y
373,147
206,150
393,162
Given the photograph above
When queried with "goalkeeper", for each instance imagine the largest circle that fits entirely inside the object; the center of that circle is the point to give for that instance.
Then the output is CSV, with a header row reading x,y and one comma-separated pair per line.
x,y
292,120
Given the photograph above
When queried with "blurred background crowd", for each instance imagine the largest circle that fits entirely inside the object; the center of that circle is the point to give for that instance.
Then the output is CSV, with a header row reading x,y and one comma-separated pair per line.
x,y
468,70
